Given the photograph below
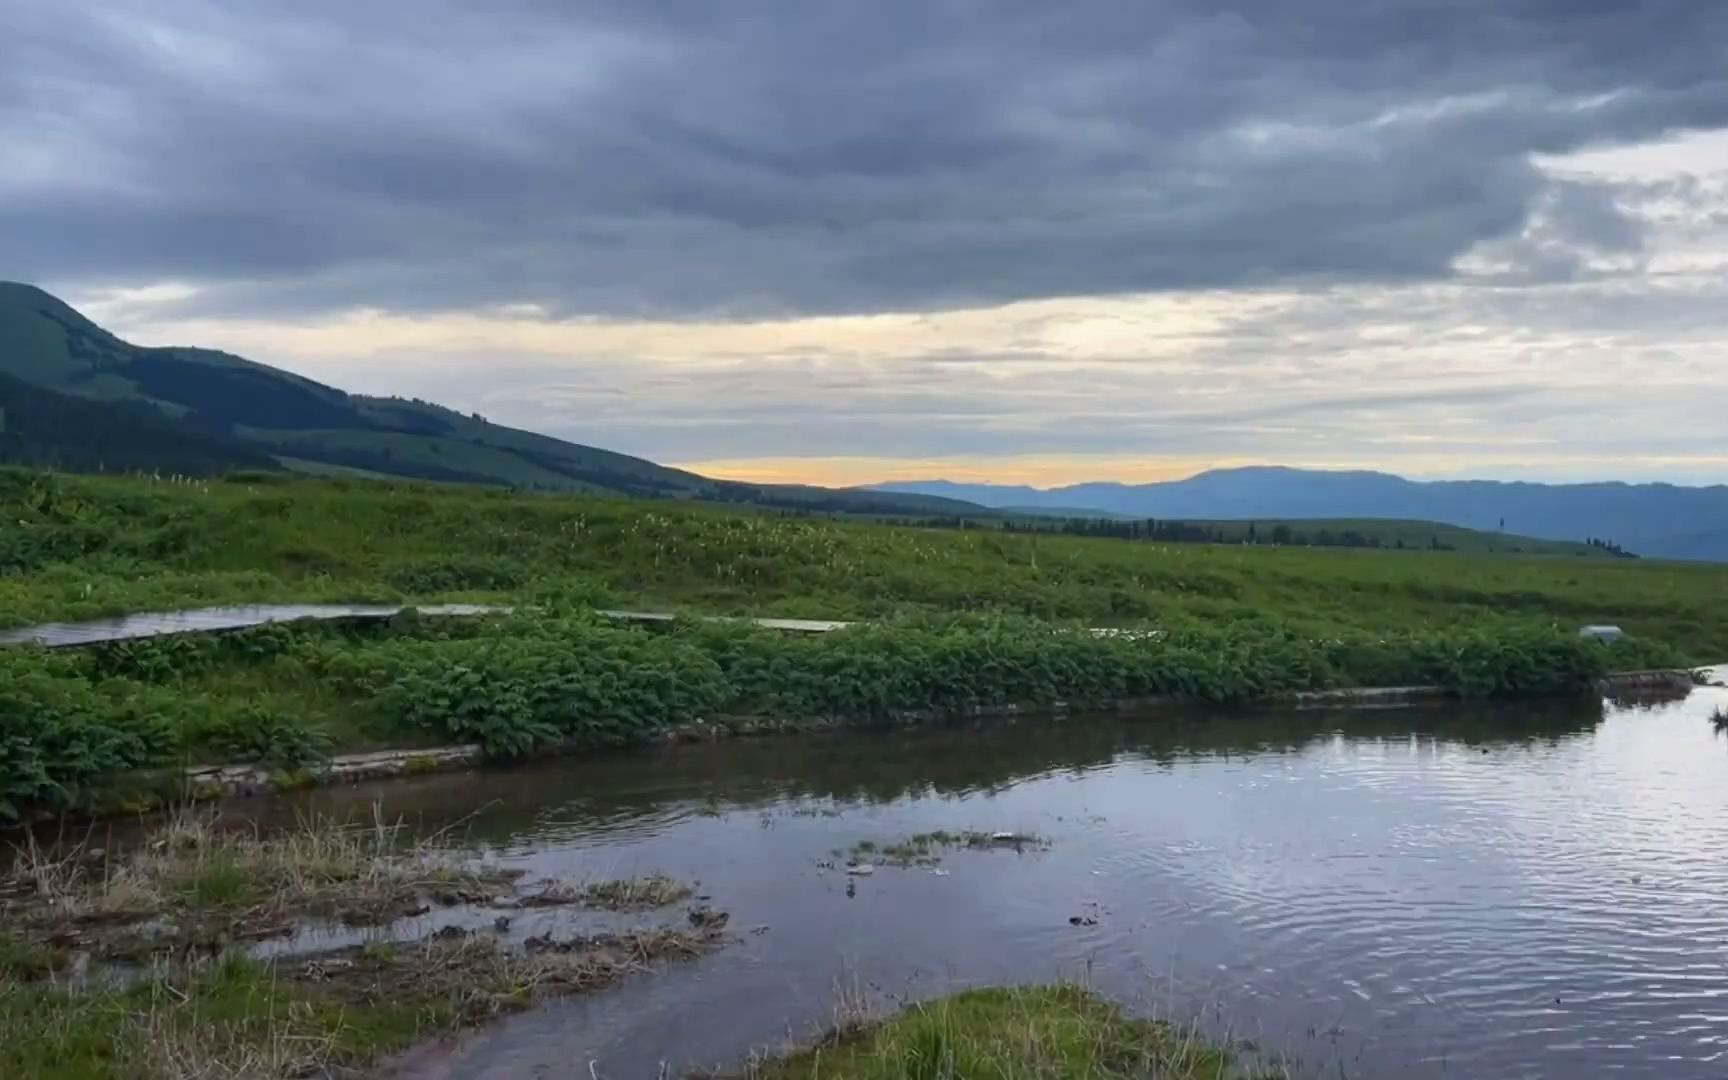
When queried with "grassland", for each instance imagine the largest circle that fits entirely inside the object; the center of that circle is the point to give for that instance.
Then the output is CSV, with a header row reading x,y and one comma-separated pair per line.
x,y
959,619
75,547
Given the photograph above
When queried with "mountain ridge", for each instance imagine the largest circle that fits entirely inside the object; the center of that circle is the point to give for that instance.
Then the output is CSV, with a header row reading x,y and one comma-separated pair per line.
x,y
205,410
1653,519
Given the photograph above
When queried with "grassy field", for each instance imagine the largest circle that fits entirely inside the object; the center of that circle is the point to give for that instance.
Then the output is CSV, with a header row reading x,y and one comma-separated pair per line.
x,y
958,619
75,547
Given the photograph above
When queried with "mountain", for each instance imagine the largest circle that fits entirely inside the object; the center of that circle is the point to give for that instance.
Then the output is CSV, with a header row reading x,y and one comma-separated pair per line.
x,y
1661,520
46,430
202,411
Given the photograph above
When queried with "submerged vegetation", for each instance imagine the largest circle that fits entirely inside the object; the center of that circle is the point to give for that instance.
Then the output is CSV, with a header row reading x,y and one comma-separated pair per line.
x,y
1038,1033
619,894
241,1017
195,886
138,965
208,885
926,848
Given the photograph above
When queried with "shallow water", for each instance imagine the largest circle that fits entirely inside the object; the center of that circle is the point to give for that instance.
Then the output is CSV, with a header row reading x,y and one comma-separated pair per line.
x,y
1521,891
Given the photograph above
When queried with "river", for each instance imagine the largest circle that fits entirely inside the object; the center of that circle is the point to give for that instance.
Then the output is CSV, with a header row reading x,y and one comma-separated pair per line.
x,y
1488,892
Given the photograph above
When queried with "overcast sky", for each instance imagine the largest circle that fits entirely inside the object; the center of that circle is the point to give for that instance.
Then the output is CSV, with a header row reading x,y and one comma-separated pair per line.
x,y
1005,239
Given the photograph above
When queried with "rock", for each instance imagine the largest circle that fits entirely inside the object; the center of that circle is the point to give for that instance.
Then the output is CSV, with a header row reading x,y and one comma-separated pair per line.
x,y
501,923
703,917
861,869
1082,920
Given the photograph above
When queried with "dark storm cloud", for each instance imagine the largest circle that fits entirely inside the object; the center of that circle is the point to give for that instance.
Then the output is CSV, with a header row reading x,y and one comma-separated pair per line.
x,y
682,158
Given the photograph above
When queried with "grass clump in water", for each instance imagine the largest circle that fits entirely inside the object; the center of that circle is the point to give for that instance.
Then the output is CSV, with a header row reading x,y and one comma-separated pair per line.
x,y
617,894
635,894
1031,1033
214,885
925,849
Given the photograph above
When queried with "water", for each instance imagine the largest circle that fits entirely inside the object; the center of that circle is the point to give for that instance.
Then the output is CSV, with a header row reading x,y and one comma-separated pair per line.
x,y
1510,892
152,624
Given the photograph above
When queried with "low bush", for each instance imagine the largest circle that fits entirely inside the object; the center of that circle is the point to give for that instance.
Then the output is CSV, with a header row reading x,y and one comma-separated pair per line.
x,y
62,735
269,737
447,575
514,684
568,679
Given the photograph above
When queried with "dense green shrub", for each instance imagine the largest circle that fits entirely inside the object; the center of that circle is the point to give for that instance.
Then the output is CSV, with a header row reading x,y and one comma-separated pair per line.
x,y
448,575
516,683
546,680
178,657
75,547
267,736
61,735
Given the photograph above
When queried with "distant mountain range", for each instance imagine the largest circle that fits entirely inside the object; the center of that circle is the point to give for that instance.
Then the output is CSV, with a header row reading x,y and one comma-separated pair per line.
x,y
74,396
1660,520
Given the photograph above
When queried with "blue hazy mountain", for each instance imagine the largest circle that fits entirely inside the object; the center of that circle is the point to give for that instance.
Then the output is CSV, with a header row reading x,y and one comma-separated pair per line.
x,y
1657,520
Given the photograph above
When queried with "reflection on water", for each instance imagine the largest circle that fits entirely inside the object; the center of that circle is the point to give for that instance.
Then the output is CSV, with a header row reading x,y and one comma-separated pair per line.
x,y
1530,891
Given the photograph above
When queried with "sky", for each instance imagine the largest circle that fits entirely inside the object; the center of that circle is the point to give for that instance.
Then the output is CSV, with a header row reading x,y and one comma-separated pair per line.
x,y
842,242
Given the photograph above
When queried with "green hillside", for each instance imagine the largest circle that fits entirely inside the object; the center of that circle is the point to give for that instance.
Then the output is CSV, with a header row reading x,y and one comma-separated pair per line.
x,y
265,415
48,430
82,547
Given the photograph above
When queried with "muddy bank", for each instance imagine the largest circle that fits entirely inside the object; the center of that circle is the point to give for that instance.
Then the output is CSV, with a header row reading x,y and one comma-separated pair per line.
x,y
186,955
198,886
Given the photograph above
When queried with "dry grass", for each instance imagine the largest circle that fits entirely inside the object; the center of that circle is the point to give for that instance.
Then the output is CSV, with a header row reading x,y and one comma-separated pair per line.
x,y
619,894
480,976
310,1015
192,864
174,1042
925,849
194,886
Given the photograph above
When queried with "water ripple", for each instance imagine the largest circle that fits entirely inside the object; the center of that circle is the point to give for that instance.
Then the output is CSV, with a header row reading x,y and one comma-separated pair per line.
x,y
1505,893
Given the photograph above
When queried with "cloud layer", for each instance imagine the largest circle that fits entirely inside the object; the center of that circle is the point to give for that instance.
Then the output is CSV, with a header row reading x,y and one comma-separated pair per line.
x,y
1398,233
798,156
